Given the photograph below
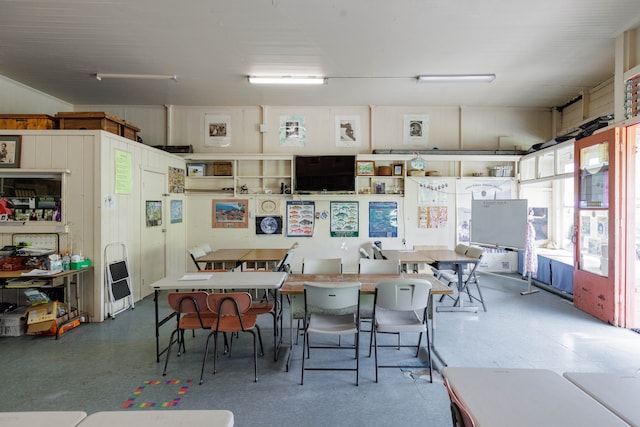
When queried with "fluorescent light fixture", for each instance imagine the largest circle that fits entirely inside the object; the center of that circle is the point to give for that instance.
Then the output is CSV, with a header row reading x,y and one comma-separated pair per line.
x,y
173,77
456,78
288,80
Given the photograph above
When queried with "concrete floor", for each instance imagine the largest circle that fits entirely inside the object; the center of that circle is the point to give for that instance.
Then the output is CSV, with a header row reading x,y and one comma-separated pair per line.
x,y
110,365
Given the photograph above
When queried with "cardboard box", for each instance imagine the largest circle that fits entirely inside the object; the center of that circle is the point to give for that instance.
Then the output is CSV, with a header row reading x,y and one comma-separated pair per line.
x,y
59,325
45,312
13,323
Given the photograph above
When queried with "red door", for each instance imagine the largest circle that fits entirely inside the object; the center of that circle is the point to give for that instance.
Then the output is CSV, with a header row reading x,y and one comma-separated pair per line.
x,y
600,218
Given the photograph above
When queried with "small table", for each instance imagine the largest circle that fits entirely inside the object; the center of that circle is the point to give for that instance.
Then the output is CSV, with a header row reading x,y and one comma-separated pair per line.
x,y
445,257
42,418
617,391
263,255
223,256
268,280
159,418
525,398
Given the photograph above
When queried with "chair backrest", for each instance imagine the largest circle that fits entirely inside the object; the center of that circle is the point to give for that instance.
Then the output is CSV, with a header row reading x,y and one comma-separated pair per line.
x,y
458,409
188,302
322,266
229,303
379,266
283,265
377,252
206,248
475,253
332,296
461,248
364,253
196,252
402,294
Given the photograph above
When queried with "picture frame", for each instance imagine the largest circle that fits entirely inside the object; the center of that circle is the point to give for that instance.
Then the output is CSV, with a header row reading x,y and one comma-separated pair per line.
x,y
397,169
10,147
196,169
365,167
230,213
217,130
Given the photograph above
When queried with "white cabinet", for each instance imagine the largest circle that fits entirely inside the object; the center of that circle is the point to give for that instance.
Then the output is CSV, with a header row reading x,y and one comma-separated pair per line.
x,y
387,177
236,174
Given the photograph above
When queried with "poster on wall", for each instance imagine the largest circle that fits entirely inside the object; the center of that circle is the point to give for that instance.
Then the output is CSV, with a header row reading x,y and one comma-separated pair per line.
x,y
416,129
269,225
383,219
344,219
176,211
432,216
292,131
230,213
433,192
300,218
123,172
176,180
348,131
217,130
153,213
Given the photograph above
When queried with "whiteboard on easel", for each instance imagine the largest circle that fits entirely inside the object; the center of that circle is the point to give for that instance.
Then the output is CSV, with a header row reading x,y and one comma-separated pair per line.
x,y
499,223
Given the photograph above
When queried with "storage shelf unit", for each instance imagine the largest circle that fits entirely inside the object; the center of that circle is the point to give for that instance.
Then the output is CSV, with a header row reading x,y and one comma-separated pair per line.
x,y
229,174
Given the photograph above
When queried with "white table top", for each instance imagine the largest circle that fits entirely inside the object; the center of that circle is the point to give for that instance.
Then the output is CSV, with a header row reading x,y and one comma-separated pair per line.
x,y
617,391
42,418
222,280
159,418
498,397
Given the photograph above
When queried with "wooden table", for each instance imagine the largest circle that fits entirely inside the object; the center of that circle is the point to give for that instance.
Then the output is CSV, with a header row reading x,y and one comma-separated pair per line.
x,y
42,418
525,398
617,391
267,280
238,257
159,418
294,285
409,257
446,257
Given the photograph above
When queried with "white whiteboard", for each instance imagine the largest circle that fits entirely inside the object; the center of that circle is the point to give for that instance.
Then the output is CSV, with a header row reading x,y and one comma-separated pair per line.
x,y
499,223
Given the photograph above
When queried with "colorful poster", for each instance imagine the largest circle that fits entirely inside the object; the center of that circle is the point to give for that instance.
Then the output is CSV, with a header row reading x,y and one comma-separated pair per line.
x,y
176,211
269,225
344,219
383,219
432,216
176,180
300,218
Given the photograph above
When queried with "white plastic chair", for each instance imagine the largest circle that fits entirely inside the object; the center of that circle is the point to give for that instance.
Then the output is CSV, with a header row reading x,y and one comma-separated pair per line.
x,y
322,266
396,306
195,253
331,309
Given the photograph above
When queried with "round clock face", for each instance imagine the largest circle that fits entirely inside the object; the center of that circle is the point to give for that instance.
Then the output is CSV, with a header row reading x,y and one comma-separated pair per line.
x,y
268,225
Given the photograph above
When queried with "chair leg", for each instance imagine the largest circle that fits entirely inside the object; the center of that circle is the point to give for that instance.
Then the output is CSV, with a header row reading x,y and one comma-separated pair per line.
x,y
375,351
481,297
166,362
357,345
260,338
304,345
255,355
204,359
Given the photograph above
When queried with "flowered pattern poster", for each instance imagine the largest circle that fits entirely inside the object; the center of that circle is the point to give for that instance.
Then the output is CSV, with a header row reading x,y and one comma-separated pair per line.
x,y
300,218
344,219
432,216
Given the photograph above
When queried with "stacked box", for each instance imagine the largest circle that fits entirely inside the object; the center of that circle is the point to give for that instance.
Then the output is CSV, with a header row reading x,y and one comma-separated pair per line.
x,y
13,323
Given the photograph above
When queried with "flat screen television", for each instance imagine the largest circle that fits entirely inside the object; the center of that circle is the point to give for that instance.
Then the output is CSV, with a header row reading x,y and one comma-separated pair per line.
x,y
336,173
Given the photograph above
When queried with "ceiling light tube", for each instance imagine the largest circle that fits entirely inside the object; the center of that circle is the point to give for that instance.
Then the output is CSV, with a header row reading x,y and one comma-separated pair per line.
x,y
456,78
288,80
100,76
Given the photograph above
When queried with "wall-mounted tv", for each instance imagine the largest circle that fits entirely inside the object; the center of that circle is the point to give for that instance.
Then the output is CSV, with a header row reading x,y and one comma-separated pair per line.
x,y
325,173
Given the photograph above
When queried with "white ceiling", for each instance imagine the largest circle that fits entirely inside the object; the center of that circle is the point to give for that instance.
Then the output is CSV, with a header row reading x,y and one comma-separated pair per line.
x,y
544,52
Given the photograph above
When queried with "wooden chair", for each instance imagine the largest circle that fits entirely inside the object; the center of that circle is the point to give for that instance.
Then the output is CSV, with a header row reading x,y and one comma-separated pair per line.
x,y
459,413
230,312
192,313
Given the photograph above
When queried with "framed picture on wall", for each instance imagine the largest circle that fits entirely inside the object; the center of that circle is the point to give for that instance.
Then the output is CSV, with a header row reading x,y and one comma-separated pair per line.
x,y
10,151
397,169
231,213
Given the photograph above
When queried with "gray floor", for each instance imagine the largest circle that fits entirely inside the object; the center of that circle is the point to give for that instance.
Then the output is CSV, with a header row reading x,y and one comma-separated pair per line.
x,y
103,366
